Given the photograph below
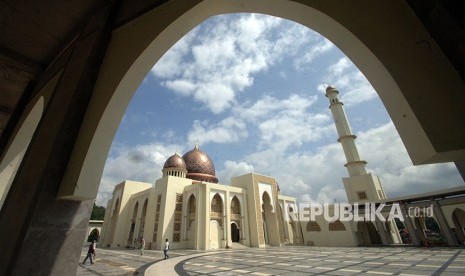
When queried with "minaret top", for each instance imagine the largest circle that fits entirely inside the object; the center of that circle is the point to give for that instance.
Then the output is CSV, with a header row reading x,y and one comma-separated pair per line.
x,y
330,87
331,94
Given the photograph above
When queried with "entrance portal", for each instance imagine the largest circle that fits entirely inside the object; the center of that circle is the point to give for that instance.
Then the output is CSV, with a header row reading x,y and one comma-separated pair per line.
x,y
235,233
367,233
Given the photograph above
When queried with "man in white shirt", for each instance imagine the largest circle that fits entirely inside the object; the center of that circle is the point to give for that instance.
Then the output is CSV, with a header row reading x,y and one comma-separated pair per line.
x,y
142,246
165,249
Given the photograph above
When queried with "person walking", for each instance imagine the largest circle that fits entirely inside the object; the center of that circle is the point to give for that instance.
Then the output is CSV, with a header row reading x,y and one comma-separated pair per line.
x,y
165,249
90,253
142,246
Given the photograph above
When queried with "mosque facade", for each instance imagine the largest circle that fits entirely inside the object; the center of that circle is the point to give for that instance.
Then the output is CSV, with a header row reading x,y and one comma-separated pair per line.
x,y
191,209
188,207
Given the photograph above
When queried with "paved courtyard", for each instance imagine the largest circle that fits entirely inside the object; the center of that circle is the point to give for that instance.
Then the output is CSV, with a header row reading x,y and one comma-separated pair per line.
x,y
282,261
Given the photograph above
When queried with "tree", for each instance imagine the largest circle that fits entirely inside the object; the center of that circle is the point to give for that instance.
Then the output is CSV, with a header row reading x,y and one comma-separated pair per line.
x,y
98,212
93,236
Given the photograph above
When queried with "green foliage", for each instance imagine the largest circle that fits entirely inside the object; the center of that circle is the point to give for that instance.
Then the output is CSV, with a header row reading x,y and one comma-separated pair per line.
x,y
98,213
93,236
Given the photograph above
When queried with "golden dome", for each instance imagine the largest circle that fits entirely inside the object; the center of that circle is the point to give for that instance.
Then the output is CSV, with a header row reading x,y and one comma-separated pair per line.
x,y
175,161
199,166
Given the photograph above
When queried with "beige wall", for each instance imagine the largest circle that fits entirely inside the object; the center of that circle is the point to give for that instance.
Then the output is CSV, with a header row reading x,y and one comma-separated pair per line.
x,y
118,231
368,183
325,237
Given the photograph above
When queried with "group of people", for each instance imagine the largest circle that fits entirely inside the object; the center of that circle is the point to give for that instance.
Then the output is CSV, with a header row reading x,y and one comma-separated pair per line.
x,y
92,250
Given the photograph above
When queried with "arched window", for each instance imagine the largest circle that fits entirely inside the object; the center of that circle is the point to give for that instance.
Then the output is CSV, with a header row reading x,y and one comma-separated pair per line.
x,y
217,209
313,226
337,226
217,205
192,206
235,206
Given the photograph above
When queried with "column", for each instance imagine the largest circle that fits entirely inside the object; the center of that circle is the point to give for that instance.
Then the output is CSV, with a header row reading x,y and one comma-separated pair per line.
x,y
410,228
45,234
285,222
227,220
381,231
450,237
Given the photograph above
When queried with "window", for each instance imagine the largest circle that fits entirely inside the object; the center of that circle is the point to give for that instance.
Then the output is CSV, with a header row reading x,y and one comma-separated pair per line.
x,y
362,195
337,226
313,226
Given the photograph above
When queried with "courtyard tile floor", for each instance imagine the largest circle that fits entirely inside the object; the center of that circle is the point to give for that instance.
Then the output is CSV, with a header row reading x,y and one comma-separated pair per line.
x,y
282,261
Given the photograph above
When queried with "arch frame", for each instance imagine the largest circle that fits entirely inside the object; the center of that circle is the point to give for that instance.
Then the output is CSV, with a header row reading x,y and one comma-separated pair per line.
x,y
389,71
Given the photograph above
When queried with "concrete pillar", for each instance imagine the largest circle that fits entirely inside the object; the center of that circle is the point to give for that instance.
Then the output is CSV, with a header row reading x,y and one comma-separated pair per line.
x,y
244,221
197,219
450,237
227,220
382,232
408,223
207,206
40,234
285,222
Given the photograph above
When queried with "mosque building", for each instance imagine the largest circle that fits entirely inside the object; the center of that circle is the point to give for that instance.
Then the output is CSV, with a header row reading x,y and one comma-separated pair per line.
x,y
192,210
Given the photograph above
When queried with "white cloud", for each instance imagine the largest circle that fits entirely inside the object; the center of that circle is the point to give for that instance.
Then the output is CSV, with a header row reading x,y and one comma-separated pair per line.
x,y
281,123
352,84
287,122
182,87
266,106
317,176
225,55
318,48
233,169
139,163
229,130
388,158
168,65
285,130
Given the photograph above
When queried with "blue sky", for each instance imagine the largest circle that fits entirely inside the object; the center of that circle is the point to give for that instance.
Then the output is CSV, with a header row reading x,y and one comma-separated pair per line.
x,y
249,89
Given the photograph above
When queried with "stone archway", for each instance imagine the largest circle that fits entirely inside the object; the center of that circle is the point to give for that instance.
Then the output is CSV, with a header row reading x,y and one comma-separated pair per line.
x,y
406,77
94,235
142,220
270,221
13,157
119,80
235,232
132,227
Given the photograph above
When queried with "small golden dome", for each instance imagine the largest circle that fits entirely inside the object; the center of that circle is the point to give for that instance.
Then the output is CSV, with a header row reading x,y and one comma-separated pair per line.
x,y
175,161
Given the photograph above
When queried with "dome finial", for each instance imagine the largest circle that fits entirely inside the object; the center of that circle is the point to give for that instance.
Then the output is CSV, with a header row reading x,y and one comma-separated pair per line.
x,y
196,145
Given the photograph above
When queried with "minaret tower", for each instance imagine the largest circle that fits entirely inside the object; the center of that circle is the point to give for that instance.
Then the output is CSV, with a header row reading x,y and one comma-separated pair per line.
x,y
360,186
354,165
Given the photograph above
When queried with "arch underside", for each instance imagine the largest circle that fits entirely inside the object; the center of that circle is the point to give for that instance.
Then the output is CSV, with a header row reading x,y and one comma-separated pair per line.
x,y
408,78
421,90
